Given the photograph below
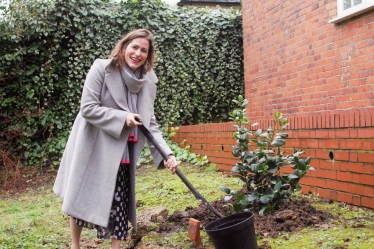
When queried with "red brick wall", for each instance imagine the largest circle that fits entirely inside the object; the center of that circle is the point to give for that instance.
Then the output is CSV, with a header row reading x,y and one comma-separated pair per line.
x,y
298,63
347,137
321,77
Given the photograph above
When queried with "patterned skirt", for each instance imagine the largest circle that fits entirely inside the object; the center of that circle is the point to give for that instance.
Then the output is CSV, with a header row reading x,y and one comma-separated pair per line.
x,y
118,220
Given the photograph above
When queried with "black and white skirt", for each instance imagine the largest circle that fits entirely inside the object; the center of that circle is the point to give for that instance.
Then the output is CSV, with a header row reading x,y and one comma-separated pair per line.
x,y
118,220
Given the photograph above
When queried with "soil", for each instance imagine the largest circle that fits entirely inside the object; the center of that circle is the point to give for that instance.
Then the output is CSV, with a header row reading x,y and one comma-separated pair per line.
x,y
28,179
289,217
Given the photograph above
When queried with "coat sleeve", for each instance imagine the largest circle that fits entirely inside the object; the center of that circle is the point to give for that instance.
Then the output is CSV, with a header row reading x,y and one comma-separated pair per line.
x,y
109,120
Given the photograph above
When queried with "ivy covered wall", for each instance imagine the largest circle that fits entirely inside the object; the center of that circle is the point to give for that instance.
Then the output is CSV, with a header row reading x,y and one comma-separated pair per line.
x,y
47,47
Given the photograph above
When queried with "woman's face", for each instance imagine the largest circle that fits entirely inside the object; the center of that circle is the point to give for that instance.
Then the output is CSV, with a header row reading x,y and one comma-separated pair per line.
x,y
136,53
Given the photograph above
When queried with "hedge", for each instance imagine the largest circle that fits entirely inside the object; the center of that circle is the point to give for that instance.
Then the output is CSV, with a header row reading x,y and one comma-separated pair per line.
x,y
47,47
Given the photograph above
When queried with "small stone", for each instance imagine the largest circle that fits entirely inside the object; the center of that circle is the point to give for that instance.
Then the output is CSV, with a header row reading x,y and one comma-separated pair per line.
x,y
325,200
147,218
284,215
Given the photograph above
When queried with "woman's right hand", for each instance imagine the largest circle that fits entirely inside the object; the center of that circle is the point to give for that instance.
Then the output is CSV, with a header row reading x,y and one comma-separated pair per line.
x,y
130,119
171,163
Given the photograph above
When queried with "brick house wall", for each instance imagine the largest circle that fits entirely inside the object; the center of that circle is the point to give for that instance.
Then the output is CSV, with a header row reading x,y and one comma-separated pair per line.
x,y
320,75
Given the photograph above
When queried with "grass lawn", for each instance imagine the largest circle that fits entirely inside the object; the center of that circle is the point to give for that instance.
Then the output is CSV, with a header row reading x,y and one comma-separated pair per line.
x,y
33,219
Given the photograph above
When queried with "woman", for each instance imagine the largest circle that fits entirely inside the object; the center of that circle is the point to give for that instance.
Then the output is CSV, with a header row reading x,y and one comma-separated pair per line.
x,y
96,178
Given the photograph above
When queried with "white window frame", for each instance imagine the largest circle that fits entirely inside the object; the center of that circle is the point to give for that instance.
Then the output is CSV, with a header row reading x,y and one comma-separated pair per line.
x,y
366,5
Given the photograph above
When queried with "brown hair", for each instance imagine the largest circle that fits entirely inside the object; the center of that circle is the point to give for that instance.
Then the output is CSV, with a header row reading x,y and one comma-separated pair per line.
x,y
118,56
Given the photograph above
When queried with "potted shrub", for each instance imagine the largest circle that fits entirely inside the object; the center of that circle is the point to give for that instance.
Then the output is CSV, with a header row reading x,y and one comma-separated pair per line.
x,y
261,159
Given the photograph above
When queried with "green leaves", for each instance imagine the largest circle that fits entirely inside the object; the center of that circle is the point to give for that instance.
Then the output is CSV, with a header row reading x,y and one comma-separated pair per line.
x,y
259,168
265,199
47,48
278,142
292,176
224,189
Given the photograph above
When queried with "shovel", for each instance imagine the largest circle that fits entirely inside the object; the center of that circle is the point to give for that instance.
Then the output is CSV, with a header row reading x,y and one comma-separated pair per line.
x,y
194,225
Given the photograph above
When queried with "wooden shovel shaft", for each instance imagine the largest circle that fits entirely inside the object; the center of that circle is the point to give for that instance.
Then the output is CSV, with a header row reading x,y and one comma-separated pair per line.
x,y
198,196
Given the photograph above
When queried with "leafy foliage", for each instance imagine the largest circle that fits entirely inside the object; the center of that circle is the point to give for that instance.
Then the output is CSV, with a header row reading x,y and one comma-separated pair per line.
x,y
47,47
181,154
260,168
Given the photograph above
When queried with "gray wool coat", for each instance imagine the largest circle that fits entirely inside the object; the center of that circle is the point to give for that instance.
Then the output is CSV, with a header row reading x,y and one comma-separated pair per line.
x,y
87,174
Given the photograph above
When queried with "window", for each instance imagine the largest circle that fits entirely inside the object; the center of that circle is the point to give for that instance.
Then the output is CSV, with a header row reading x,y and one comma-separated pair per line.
x,y
349,8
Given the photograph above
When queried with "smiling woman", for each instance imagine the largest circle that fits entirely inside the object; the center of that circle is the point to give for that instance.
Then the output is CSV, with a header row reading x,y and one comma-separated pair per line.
x,y
136,53
96,177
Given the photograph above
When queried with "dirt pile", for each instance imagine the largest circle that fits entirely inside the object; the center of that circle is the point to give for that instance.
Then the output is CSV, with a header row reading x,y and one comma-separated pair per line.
x,y
290,216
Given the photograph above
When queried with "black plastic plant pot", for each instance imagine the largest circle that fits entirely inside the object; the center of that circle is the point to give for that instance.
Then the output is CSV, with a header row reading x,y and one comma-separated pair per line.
x,y
235,231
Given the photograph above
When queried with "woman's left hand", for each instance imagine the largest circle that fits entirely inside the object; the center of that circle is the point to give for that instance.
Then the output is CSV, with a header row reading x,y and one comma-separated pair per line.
x,y
171,163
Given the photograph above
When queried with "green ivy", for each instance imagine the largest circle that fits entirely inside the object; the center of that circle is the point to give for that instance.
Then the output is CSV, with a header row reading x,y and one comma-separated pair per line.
x,y
47,47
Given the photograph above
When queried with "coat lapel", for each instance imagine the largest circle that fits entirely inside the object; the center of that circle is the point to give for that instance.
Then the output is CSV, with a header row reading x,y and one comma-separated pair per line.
x,y
113,81
146,97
